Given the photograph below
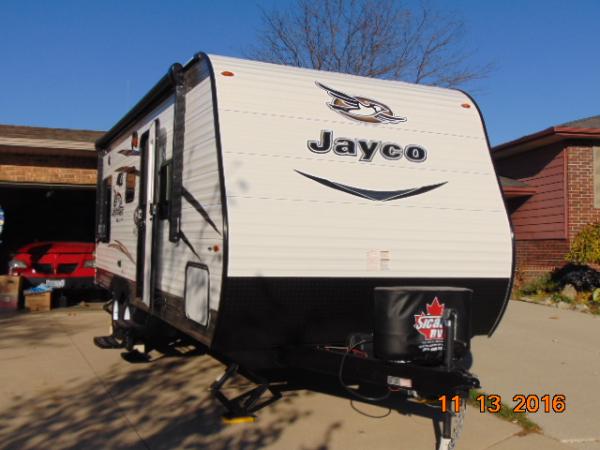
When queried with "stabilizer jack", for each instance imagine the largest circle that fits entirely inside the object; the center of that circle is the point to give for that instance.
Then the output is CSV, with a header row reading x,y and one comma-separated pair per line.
x,y
240,409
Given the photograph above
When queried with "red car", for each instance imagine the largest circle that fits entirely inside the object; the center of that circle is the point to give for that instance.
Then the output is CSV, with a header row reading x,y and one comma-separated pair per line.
x,y
58,264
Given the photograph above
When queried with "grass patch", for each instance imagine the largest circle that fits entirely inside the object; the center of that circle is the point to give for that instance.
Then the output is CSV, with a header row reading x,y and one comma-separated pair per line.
x,y
506,413
558,297
542,285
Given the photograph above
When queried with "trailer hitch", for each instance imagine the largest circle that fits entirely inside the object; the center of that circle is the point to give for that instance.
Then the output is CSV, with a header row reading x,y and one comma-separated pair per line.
x,y
451,420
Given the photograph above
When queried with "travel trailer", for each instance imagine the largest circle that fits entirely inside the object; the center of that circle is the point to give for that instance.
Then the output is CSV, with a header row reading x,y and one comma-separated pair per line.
x,y
298,221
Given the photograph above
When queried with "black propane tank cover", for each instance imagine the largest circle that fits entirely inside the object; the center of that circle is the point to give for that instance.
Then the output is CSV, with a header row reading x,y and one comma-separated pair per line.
x,y
408,322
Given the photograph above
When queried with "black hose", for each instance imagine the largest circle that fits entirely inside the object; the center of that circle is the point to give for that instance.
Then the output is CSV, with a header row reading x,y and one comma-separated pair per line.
x,y
352,391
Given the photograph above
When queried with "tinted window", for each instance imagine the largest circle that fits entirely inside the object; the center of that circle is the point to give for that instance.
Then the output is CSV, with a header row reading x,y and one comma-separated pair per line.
x,y
165,189
130,187
104,217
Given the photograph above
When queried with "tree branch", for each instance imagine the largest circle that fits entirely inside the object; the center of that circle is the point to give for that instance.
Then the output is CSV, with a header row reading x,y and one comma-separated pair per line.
x,y
377,38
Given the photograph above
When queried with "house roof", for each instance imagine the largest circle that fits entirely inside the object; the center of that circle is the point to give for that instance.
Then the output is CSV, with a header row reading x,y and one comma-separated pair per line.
x,y
588,122
19,136
515,188
510,182
17,131
586,129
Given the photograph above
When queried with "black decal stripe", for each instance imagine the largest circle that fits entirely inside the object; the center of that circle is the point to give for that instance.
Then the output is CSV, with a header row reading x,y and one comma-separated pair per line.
x,y
382,196
198,207
119,246
187,242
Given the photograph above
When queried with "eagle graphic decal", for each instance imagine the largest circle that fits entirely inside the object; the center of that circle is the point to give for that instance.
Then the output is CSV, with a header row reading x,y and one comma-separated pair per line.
x,y
361,109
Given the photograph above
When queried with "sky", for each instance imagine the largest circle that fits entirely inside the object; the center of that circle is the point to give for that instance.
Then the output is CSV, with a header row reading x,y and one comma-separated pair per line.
x,y
84,64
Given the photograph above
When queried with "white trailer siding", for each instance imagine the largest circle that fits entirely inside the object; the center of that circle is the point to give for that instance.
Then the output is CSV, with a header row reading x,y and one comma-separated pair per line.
x,y
201,240
201,179
119,255
283,224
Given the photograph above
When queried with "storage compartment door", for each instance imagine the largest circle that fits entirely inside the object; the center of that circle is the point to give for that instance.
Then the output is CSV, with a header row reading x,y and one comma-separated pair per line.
x,y
197,291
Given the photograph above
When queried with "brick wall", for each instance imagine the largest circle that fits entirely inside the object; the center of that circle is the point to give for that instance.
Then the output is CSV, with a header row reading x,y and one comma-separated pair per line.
x,y
580,187
536,257
24,168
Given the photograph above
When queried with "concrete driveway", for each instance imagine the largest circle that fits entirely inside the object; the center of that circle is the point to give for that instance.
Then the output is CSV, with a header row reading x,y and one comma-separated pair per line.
x,y
542,350
59,391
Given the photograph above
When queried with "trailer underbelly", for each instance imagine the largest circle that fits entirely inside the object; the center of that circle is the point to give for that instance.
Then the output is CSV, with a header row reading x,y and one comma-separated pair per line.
x,y
270,313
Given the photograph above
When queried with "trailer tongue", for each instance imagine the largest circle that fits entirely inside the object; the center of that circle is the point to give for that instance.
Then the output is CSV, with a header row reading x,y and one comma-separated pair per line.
x,y
419,348
428,382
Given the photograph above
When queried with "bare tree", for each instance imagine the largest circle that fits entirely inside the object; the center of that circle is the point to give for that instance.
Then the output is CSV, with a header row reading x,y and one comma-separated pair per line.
x,y
375,38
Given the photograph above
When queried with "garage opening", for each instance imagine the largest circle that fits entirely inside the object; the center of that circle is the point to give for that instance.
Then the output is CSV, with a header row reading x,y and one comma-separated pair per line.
x,y
40,213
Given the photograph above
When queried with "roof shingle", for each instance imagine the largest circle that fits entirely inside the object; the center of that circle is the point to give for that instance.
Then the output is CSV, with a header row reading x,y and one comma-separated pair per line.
x,y
588,122
59,134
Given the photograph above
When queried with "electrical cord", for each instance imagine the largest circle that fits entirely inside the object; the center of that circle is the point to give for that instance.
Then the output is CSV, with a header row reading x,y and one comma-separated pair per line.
x,y
352,391
371,416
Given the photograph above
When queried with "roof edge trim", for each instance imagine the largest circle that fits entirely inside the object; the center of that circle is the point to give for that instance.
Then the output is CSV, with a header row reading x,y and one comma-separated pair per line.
x,y
562,132
173,76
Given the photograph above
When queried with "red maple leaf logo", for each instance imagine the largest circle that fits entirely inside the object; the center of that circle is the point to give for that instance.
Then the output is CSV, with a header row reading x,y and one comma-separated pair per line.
x,y
436,308
430,325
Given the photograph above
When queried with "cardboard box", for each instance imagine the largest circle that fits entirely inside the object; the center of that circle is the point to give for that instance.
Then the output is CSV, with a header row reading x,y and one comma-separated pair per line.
x,y
38,302
10,292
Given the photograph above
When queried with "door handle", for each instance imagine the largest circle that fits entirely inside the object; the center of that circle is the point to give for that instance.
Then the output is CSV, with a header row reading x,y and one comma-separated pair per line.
x,y
138,217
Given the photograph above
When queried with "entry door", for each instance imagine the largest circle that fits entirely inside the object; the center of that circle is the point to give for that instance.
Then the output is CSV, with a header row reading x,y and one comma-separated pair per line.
x,y
146,214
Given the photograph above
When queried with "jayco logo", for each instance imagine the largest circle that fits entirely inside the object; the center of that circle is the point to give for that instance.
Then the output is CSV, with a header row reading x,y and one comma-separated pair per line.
x,y
366,110
365,148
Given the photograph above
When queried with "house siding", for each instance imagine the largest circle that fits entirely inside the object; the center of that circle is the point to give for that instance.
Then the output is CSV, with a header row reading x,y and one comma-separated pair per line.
x,y
542,215
540,220
566,177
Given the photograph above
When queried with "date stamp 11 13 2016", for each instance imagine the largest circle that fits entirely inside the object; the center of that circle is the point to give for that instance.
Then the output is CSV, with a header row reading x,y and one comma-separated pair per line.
x,y
523,403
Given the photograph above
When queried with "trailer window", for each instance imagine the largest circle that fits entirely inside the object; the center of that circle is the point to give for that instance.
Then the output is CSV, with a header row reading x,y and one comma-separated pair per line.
x,y
130,180
164,201
105,206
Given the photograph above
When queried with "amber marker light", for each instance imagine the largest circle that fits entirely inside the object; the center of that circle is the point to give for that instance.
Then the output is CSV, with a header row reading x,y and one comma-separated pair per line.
x,y
227,73
216,248
466,105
